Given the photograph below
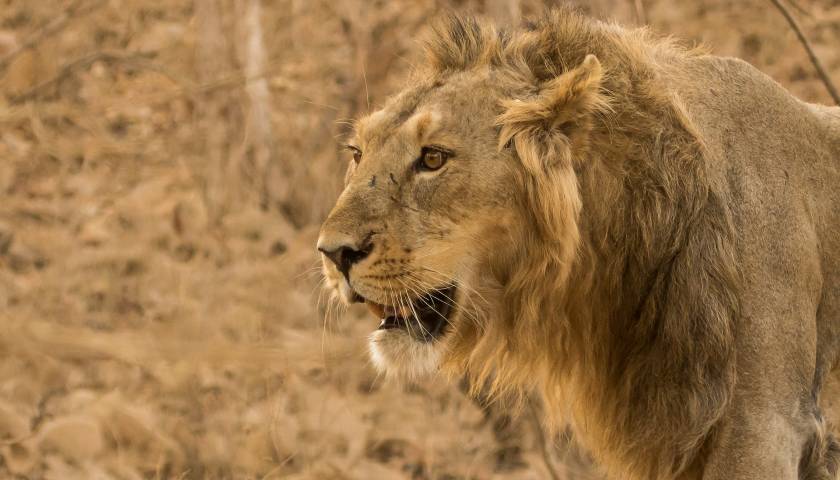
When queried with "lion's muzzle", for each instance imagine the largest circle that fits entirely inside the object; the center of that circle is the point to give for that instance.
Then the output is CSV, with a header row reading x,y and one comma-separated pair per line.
x,y
343,251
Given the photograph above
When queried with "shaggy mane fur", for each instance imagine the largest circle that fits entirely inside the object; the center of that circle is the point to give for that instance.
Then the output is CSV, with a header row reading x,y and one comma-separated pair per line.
x,y
621,302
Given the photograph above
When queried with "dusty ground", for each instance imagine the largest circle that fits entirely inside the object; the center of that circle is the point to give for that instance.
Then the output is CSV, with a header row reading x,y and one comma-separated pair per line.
x,y
163,168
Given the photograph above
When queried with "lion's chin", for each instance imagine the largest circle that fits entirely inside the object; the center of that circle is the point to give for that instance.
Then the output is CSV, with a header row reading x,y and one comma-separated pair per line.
x,y
396,354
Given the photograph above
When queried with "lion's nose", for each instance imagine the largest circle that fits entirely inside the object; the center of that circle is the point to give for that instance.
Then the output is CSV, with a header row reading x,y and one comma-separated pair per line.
x,y
344,252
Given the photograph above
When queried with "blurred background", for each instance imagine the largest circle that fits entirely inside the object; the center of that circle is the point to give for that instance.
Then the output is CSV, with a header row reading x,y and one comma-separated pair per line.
x,y
164,166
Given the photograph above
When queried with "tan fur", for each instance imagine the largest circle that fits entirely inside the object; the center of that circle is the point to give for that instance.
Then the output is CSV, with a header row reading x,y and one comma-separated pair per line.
x,y
634,235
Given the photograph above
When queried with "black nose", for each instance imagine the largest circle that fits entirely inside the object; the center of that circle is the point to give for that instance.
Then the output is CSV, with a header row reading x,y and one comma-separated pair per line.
x,y
345,256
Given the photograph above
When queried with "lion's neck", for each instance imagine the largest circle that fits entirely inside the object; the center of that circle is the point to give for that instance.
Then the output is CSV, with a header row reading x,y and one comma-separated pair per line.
x,y
645,328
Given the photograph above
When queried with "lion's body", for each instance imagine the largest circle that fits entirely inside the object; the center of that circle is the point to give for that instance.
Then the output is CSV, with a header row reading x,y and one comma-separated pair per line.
x,y
654,248
774,164
713,167
778,160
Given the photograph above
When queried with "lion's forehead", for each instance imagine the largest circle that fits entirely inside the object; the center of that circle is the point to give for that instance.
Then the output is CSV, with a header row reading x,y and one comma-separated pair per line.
x,y
421,126
382,124
423,109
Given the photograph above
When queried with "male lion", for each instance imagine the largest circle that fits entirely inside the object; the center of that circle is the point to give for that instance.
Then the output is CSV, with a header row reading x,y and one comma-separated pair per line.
x,y
647,236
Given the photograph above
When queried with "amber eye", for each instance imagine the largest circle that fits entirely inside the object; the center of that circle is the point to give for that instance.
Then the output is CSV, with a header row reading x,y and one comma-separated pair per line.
x,y
432,159
357,153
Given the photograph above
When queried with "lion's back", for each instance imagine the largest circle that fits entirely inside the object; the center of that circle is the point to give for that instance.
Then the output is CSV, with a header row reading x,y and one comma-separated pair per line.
x,y
747,119
777,156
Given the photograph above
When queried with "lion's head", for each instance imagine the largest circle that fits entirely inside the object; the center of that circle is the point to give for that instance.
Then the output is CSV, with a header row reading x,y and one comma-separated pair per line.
x,y
460,203
541,212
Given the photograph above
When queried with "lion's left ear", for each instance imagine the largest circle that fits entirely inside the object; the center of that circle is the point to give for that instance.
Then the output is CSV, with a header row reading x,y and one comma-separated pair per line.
x,y
547,129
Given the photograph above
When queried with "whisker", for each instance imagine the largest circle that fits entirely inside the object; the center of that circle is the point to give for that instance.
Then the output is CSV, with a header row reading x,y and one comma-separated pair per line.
x,y
314,269
416,317
452,303
448,285
330,308
421,298
452,282
402,309
467,312
397,303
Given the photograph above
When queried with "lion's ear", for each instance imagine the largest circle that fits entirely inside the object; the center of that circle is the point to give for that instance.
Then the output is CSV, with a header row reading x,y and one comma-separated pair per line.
x,y
548,128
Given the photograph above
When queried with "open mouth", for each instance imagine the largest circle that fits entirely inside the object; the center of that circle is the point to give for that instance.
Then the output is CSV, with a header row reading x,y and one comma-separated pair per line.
x,y
425,318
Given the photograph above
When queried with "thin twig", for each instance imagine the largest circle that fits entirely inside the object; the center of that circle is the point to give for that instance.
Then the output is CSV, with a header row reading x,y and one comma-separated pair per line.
x,y
538,430
52,27
70,67
832,90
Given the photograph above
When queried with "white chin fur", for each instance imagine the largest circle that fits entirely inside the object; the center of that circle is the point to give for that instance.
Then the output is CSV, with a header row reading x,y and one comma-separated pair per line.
x,y
345,291
396,355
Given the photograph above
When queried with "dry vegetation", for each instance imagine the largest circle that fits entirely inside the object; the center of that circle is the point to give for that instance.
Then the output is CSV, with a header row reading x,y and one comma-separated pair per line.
x,y
164,165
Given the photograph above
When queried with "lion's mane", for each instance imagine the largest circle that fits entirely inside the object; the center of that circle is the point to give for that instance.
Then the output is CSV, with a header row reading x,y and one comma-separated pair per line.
x,y
621,302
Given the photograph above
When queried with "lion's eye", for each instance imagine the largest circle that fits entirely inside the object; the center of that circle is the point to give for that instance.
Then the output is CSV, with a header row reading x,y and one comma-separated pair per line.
x,y
357,153
432,159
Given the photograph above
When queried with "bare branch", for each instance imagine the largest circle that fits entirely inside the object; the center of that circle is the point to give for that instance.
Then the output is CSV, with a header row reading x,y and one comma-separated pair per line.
x,y
260,137
79,63
829,85
799,8
52,27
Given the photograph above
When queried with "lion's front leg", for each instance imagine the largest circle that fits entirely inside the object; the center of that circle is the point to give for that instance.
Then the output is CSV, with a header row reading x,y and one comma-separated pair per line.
x,y
756,444
773,428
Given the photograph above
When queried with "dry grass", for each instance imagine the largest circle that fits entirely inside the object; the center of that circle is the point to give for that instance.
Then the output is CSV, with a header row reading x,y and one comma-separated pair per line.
x,y
163,169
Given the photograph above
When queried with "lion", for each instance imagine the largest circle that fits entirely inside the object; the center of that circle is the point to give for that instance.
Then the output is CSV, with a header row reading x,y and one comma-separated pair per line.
x,y
642,234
